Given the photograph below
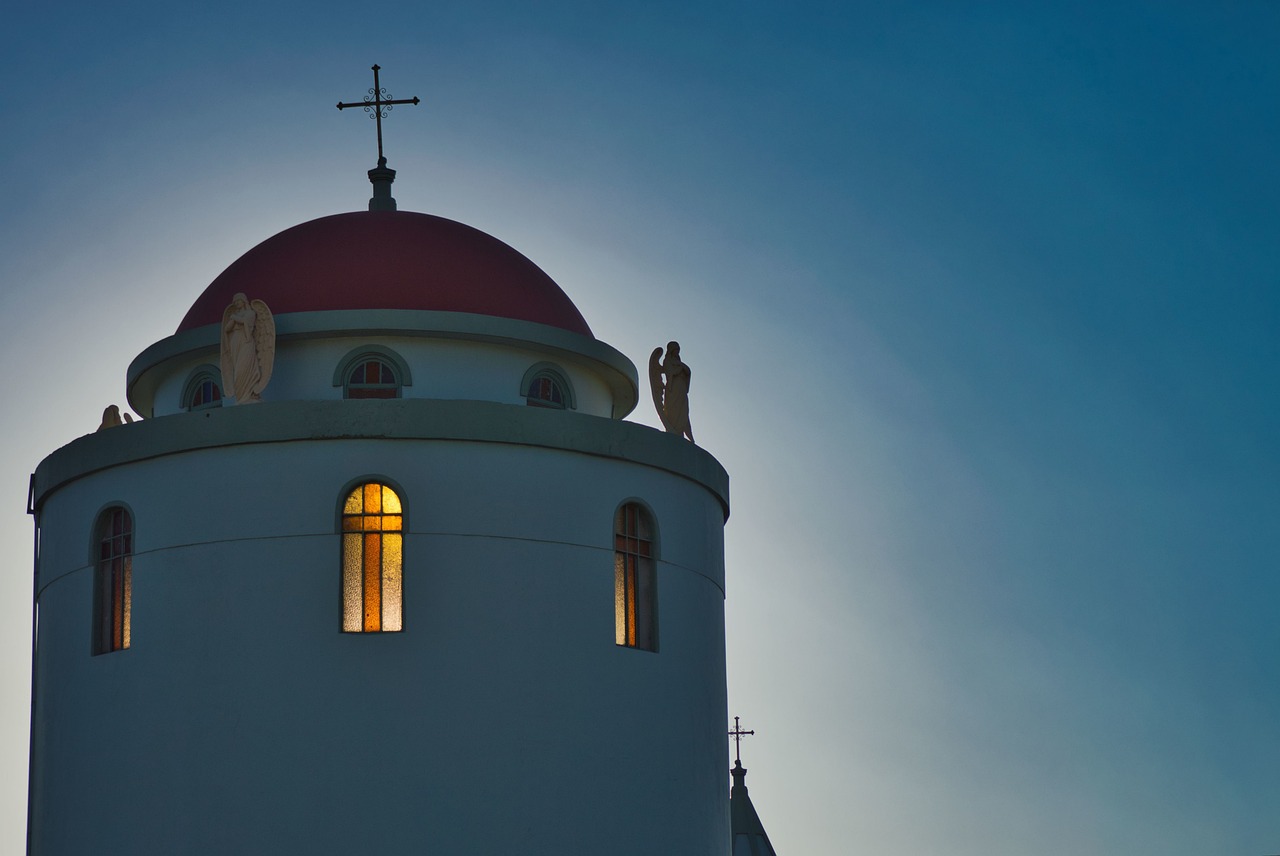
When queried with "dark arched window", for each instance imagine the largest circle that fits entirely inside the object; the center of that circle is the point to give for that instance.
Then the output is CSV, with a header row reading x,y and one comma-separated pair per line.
x,y
372,559
372,371
202,390
372,378
635,586
112,580
544,385
545,391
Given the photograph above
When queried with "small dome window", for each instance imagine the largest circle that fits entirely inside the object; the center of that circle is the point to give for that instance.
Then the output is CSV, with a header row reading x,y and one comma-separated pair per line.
x,y
372,372
545,391
373,379
202,390
545,385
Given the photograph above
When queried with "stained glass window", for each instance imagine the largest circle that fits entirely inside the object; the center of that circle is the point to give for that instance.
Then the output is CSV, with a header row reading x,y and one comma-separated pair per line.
x,y
372,378
635,596
202,391
546,385
206,394
372,559
113,581
545,391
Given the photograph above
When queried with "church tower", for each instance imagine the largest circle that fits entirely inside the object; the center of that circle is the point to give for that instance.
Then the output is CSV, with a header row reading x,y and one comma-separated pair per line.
x,y
396,578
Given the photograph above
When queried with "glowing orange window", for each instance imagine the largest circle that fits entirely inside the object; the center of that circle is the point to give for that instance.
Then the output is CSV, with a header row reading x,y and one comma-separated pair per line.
x,y
635,596
372,560
113,581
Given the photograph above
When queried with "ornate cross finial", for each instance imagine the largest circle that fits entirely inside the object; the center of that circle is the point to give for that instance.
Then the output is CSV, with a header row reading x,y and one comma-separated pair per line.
x,y
737,734
377,104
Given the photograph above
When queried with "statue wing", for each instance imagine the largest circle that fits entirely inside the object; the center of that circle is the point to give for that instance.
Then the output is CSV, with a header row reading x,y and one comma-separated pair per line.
x,y
655,384
264,336
225,361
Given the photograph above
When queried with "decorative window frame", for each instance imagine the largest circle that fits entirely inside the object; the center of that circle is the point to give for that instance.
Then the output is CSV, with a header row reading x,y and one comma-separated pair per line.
x,y
195,379
557,375
635,595
346,623
106,639
378,352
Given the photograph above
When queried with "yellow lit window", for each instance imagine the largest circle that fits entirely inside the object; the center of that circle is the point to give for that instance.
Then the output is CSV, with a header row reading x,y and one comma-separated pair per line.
x,y
635,596
113,581
372,559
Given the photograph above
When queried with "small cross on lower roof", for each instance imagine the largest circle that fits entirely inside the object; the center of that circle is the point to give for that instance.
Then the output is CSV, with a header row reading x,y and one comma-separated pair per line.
x,y
737,734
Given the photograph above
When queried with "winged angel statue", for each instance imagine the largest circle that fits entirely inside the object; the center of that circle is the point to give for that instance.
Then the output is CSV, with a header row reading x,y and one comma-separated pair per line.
x,y
672,398
248,349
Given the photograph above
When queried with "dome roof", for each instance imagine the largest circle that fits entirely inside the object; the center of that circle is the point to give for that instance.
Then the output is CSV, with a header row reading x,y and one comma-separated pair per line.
x,y
389,260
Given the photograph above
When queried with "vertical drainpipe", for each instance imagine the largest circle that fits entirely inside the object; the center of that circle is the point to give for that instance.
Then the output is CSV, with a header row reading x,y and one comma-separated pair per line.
x,y
35,619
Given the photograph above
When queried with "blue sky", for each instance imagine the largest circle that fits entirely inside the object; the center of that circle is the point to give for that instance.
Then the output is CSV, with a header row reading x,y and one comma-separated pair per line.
x,y
980,301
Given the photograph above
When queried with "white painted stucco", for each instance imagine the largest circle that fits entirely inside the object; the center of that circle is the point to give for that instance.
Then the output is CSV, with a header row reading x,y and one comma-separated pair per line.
x,y
503,718
450,356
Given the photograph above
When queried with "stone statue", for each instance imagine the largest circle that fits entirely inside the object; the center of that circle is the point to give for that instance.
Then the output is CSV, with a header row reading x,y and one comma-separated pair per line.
x,y
248,349
111,417
671,399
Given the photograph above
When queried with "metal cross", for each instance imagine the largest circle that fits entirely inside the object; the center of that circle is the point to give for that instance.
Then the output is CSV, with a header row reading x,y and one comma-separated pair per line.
x,y
378,103
737,734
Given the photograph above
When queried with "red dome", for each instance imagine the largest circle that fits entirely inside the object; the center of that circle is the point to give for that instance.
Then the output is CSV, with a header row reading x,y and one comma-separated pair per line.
x,y
389,260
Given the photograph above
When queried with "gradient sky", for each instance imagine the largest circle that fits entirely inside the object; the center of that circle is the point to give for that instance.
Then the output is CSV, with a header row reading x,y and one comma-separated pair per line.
x,y
980,300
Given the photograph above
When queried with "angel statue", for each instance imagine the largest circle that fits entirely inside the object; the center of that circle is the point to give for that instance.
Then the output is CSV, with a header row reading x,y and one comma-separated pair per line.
x,y
671,399
248,349
111,417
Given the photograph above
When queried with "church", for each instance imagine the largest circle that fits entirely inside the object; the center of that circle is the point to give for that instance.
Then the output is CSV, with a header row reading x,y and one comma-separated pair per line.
x,y
382,567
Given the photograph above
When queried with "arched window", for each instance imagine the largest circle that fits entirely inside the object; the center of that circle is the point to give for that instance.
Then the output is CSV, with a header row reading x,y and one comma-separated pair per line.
x,y
202,391
112,580
372,372
545,391
635,586
372,378
372,559
545,385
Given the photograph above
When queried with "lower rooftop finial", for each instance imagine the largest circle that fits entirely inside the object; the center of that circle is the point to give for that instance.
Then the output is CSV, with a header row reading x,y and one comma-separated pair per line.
x,y
745,826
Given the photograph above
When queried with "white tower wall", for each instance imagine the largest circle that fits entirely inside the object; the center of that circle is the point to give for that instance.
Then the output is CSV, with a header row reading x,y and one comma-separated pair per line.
x,y
503,718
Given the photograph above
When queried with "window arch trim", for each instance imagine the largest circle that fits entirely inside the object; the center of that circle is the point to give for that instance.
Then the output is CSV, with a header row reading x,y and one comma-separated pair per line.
x,y
557,375
653,519
367,478
198,376
365,352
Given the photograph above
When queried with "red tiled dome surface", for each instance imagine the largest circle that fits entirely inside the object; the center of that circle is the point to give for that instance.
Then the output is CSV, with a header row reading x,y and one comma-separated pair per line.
x,y
389,260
